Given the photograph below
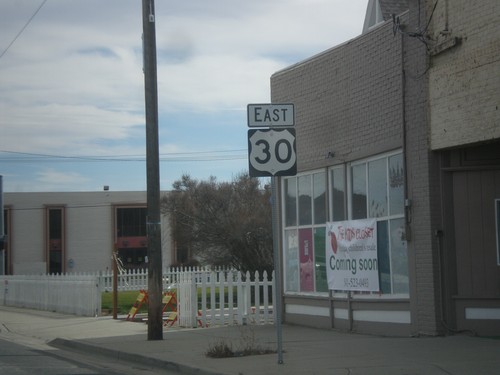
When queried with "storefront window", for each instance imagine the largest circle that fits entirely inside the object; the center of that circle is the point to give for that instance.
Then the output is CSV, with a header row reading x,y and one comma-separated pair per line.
x,y
319,184
338,196
399,257
304,244
375,190
306,250
396,184
290,202
291,260
358,173
320,260
305,201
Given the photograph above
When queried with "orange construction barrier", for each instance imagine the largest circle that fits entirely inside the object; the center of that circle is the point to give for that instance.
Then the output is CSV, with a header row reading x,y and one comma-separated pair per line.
x,y
141,299
169,301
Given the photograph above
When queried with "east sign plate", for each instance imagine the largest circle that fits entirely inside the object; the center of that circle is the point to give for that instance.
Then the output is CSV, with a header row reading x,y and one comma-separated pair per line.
x,y
272,152
270,115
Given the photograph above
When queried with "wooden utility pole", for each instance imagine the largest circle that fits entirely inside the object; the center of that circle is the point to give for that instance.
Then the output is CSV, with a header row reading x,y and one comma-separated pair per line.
x,y
155,322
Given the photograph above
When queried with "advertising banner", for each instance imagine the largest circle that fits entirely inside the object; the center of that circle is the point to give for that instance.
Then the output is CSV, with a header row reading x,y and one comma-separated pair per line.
x,y
351,255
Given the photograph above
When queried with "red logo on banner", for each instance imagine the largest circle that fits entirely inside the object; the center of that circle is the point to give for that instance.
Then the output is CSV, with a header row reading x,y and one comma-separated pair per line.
x,y
333,242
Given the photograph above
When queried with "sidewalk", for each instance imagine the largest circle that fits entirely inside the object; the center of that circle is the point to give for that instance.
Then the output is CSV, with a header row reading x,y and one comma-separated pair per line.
x,y
306,350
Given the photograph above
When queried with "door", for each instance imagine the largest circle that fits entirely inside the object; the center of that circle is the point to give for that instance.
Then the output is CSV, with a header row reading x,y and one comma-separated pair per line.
x,y
476,194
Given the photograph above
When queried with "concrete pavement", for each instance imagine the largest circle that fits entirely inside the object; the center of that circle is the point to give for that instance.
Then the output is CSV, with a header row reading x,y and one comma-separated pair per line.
x,y
306,350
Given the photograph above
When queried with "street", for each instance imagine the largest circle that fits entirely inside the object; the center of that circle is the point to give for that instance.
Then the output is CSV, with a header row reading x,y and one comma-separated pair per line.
x,y
20,359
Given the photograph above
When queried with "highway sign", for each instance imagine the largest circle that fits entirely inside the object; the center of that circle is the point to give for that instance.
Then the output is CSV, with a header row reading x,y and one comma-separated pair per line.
x,y
270,115
272,152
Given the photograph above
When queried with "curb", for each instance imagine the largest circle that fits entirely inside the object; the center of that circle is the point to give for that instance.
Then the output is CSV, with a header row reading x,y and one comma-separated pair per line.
x,y
85,348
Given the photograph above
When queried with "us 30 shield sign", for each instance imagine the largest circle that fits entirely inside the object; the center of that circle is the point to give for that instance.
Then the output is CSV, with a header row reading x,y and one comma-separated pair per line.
x,y
272,152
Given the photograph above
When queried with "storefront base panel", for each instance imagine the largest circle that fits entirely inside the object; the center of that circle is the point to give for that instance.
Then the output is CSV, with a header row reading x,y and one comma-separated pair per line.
x,y
308,321
308,311
479,316
377,316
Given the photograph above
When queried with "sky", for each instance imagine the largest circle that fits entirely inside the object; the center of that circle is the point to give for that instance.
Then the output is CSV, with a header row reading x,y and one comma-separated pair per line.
x,y
72,86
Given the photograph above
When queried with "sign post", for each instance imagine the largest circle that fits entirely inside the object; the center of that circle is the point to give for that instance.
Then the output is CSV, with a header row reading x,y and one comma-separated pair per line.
x,y
272,152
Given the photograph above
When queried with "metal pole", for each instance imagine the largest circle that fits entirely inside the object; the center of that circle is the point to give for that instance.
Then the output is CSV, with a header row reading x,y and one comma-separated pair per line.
x,y
277,269
155,322
115,281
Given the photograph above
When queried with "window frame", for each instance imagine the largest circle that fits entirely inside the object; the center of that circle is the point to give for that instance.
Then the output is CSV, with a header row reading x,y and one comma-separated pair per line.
x,y
49,240
390,217
298,226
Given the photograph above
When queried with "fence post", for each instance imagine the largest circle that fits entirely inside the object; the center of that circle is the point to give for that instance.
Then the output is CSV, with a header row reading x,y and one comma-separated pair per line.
x,y
203,306
222,298
230,298
265,290
194,301
98,299
240,298
256,310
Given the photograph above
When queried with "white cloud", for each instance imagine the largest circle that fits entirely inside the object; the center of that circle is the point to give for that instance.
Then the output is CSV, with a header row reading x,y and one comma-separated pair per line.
x,y
72,83
53,180
69,129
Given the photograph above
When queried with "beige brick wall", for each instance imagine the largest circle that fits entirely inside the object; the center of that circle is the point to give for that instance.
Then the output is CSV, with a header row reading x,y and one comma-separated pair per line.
x,y
464,81
347,100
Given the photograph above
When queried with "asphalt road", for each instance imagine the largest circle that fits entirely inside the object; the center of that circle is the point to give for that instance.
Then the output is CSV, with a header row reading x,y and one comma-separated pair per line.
x,y
17,359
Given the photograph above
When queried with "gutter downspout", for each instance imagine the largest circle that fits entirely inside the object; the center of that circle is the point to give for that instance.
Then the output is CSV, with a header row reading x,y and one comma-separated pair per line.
x,y
407,200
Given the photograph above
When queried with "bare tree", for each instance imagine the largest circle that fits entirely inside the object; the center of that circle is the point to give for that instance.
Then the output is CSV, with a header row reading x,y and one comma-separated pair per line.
x,y
222,223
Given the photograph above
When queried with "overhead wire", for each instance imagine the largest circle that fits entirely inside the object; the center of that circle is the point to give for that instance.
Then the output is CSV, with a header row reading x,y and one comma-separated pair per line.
x,y
198,156
22,29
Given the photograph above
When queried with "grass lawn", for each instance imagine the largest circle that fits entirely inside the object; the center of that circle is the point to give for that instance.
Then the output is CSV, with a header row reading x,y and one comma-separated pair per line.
x,y
126,300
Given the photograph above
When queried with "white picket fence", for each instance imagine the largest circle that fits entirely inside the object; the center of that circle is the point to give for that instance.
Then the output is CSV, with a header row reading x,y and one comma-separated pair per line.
x,y
205,297
138,279
225,298
71,294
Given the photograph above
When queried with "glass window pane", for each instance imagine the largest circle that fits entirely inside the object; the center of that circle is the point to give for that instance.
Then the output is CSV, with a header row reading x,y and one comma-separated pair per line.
x,y
131,221
306,258
291,261
396,184
497,211
55,224
399,257
359,191
319,198
377,187
290,202
305,200
338,194
384,260
320,260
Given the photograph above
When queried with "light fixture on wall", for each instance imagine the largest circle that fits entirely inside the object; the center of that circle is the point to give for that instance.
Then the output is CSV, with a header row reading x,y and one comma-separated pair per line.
x,y
330,155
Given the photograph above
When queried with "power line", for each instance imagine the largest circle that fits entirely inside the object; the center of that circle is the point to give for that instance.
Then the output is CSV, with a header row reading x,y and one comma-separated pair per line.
x,y
23,28
198,156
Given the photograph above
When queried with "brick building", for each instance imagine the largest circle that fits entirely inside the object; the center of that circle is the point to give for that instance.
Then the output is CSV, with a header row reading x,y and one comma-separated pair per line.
x,y
400,124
